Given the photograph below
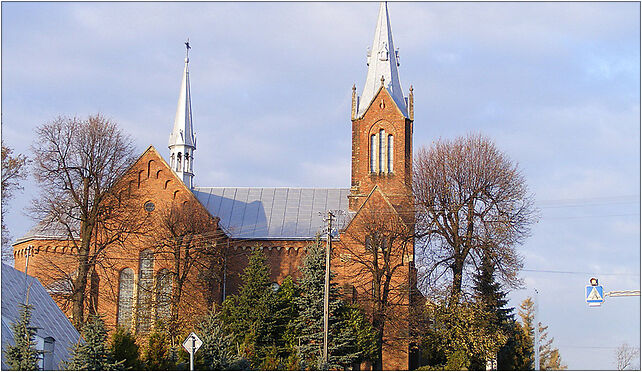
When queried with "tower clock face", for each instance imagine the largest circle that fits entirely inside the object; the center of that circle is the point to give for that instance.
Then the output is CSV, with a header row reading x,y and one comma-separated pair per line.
x,y
149,206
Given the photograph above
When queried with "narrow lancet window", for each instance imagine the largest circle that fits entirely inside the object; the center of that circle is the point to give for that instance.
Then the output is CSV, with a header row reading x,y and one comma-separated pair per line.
x,y
390,152
373,153
145,282
382,144
125,297
163,294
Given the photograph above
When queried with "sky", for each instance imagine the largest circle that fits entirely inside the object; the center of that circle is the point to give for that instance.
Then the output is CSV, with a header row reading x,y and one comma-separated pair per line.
x,y
555,85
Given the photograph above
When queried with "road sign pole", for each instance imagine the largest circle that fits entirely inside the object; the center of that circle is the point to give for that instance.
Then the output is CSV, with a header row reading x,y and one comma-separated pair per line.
x,y
191,355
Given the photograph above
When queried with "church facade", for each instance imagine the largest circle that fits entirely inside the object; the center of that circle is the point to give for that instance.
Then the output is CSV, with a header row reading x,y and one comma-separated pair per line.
x,y
373,249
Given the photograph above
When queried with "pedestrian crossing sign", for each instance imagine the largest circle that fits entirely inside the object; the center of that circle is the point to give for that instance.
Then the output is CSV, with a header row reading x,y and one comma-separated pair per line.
x,y
594,295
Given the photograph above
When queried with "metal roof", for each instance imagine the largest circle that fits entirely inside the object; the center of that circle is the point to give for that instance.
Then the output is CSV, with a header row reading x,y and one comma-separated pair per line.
x,y
46,315
263,213
46,230
278,213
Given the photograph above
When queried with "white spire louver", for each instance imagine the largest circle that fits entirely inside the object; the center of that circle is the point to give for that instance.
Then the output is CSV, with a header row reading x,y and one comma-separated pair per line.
x,y
383,60
182,142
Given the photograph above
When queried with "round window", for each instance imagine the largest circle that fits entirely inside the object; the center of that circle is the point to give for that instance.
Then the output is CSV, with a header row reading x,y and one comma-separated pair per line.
x,y
149,206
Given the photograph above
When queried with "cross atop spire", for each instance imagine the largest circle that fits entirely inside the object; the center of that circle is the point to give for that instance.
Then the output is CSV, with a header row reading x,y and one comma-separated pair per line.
x,y
187,48
383,60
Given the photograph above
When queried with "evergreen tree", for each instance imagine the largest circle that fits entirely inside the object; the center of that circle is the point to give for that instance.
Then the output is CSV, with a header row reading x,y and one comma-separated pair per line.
x,y
549,357
249,314
93,353
489,294
492,301
366,335
124,348
285,314
218,351
157,355
517,354
342,343
23,356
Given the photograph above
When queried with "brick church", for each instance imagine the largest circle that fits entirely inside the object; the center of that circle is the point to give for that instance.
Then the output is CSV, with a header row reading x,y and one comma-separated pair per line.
x,y
281,221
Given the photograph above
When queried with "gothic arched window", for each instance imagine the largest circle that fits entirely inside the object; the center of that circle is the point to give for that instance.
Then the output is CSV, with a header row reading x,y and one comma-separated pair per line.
x,y
373,153
390,152
163,293
145,285
382,150
125,297
178,162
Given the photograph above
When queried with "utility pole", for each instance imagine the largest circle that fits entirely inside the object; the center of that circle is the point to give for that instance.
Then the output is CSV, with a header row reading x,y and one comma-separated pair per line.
x,y
536,341
326,292
28,253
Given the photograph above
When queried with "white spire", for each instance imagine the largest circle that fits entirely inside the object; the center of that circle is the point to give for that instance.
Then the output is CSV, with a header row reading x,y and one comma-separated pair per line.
x,y
182,142
383,60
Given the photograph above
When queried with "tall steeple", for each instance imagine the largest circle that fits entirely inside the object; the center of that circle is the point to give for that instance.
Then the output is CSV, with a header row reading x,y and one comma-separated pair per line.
x,y
182,141
382,126
383,60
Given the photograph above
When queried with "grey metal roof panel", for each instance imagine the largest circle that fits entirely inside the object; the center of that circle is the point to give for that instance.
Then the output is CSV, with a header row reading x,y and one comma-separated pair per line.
x,y
45,230
46,315
252,212
273,212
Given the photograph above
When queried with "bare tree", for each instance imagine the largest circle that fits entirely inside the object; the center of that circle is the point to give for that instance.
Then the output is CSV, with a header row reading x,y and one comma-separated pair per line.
x,y
13,170
81,167
377,253
187,242
470,200
627,357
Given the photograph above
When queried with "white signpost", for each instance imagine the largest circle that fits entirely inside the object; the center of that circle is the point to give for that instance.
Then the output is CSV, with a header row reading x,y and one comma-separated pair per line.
x,y
191,344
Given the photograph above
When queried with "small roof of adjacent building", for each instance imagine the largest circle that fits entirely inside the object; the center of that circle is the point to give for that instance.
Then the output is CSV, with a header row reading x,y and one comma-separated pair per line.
x,y
274,213
46,315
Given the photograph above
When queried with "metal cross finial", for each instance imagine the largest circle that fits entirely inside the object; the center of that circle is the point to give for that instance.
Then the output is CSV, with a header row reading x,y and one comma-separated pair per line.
x,y
187,47
382,79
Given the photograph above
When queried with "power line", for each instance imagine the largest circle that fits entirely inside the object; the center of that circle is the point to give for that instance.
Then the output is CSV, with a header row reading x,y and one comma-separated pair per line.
x,y
595,200
592,216
596,347
579,272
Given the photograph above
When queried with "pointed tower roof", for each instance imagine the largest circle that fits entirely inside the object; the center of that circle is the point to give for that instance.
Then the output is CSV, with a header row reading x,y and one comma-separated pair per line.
x,y
183,134
382,61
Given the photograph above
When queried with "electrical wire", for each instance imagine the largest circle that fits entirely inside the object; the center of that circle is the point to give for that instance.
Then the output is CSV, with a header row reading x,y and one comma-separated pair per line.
x,y
579,272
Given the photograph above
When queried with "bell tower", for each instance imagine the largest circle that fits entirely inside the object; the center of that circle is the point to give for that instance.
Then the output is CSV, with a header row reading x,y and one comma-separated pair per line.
x,y
382,121
182,141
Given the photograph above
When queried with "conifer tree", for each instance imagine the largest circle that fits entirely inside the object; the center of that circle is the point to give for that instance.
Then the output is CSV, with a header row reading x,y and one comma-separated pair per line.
x,y
342,343
124,348
218,351
489,294
158,355
92,353
549,357
492,301
285,314
517,354
23,356
248,314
